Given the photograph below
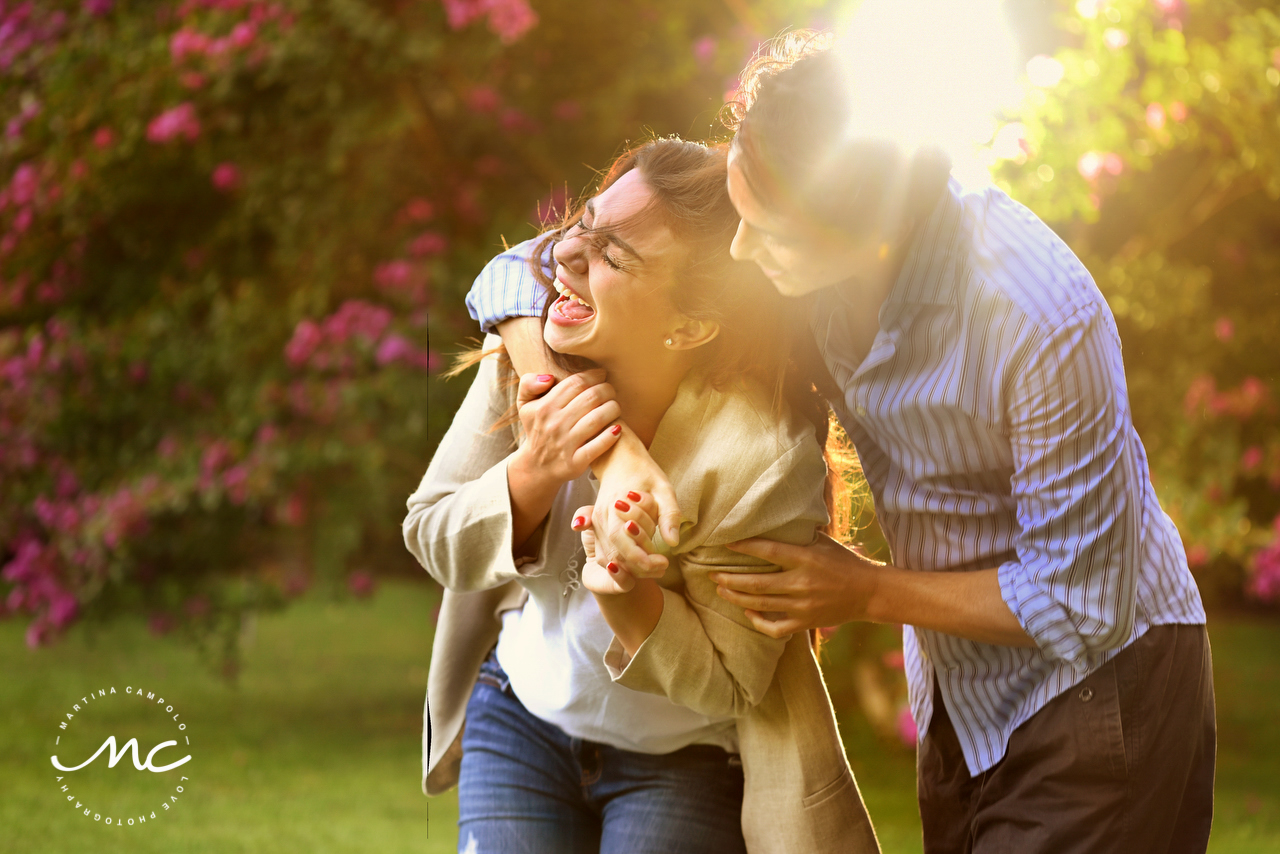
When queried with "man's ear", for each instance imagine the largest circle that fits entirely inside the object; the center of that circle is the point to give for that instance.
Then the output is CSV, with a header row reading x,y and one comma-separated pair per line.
x,y
692,334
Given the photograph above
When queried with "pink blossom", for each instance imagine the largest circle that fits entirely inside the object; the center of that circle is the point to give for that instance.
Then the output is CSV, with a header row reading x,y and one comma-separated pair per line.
x,y
359,319
567,111
306,338
515,121
226,177
294,511
396,348
179,121
103,137
1201,391
217,454
393,274
22,220
62,609
191,80
1166,5
704,49
418,210
1251,459
98,8
23,185
428,243
1197,555
266,434
907,730
361,584
160,623
1264,580
236,481
1178,111
893,659
243,34
483,99
459,13
511,19
186,43
1224,329
1113,163
1155,116
1089,165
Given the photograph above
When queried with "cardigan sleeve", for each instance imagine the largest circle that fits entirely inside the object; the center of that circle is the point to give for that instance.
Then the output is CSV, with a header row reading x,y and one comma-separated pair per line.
x,y
459,524
704,654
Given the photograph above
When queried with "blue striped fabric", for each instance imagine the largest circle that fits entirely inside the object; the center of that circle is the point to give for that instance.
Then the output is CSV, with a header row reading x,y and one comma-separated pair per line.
x,y
993,424
992,421
505,288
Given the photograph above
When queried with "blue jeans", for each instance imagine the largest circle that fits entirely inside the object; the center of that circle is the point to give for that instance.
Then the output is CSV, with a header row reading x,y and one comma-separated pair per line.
x,y
526,786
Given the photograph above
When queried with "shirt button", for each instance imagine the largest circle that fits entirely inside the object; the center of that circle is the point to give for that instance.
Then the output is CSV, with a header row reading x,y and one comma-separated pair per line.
x,y
1086,694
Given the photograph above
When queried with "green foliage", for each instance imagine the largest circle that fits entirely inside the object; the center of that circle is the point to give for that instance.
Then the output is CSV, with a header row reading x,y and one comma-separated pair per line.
x,y
234,243
1157,158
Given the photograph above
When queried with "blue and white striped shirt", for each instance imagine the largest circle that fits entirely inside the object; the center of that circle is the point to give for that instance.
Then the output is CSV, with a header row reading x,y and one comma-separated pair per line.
x,y
992,421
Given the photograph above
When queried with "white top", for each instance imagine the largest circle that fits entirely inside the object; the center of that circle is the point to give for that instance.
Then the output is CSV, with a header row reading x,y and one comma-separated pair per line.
x,y
553,652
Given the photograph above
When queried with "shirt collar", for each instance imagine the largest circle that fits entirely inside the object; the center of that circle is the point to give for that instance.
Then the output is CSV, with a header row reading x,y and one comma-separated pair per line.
x,y
927,276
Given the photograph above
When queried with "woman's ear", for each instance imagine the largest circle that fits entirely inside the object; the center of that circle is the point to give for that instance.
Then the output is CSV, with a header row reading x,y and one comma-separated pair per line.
x,y
692,334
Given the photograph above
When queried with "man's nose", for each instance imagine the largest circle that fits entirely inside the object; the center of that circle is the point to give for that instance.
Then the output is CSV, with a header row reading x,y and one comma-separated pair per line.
x,y
743,246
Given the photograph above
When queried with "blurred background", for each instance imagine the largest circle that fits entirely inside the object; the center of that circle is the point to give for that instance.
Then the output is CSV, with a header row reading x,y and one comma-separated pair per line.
x,y
235,237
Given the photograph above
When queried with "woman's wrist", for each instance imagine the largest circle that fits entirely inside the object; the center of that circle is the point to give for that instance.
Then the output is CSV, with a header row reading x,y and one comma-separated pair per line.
x,y
532,494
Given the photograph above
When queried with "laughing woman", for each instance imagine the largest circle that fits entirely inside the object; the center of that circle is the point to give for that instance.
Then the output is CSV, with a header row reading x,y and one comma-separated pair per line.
x,y
623,716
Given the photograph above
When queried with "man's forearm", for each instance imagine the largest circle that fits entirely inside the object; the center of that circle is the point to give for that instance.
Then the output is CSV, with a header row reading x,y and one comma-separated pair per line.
x,y
522,336
964,604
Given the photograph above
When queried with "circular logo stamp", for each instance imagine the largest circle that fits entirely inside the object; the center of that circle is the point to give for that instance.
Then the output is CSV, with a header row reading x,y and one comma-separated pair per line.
x,y
121,758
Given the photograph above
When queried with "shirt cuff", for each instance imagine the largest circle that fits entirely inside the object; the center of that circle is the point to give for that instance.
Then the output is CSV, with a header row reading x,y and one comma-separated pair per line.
x,y
1042,617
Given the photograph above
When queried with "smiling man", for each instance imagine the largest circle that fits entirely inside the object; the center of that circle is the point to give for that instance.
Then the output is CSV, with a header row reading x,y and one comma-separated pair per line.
x,y
1057,661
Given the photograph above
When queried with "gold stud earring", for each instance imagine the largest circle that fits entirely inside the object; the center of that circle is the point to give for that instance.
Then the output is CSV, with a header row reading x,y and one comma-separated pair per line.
x,y
670,343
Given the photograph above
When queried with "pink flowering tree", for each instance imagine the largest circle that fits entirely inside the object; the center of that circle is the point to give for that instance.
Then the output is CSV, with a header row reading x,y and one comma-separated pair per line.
x,y
235,236
1151,143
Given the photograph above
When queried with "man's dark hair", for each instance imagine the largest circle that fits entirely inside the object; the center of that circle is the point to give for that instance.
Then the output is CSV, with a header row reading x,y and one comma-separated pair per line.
x,y
798,143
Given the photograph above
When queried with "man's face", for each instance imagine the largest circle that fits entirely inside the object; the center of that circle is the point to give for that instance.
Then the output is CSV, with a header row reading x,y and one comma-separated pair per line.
x,y
798,256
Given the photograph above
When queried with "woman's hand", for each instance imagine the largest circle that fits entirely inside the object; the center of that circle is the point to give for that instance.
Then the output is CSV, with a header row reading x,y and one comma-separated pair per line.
x,y
628,471
566,426
604,580
632,607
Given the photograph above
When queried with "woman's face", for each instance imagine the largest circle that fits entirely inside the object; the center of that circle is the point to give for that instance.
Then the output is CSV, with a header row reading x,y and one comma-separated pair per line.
x,y
614,280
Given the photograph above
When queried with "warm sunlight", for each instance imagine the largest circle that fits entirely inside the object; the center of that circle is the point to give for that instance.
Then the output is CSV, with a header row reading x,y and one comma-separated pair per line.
x,y
931,73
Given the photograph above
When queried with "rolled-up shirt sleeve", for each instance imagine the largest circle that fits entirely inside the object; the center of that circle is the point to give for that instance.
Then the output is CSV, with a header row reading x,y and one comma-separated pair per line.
x,y
506,288
1073,584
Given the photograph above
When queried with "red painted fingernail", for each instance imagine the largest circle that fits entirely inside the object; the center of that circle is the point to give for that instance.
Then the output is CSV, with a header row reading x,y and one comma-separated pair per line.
x,y
579,521
633,529
634,496
621,505
612,567
545,378
615,429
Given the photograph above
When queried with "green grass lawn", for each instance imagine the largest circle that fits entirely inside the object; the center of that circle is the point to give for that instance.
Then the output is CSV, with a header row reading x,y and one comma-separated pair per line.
x,y
318,750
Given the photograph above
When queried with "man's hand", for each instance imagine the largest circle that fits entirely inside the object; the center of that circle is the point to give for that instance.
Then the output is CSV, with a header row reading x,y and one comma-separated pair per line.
x,y
824,584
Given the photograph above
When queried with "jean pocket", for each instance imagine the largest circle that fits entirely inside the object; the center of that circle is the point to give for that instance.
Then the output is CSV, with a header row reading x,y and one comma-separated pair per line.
x,y
491,673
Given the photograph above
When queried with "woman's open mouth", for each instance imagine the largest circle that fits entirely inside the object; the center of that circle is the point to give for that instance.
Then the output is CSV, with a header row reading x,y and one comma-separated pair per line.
x,y
570,309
